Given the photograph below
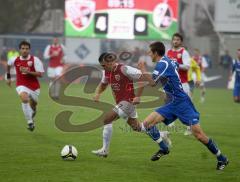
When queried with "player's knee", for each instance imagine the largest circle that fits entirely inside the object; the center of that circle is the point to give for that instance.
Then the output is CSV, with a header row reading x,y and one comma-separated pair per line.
x,y
24,97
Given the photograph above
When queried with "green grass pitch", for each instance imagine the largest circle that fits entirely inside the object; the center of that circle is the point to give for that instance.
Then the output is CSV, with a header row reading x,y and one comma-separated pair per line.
x,y
28,157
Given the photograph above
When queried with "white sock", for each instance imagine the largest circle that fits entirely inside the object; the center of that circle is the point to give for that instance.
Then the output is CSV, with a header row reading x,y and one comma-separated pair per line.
x,y
163,134
143,129
107,134
27,110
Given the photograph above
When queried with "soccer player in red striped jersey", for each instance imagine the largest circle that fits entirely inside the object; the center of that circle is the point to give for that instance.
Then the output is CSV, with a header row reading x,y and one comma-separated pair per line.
x,y
179,54
121,78
55,54
28,69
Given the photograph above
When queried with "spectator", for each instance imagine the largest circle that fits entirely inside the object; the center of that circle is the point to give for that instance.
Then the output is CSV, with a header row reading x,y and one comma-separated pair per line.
x,y
226,60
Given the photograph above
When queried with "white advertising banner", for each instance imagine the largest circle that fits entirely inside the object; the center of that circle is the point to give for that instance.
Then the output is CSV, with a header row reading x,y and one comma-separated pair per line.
x,y
82,51
227,15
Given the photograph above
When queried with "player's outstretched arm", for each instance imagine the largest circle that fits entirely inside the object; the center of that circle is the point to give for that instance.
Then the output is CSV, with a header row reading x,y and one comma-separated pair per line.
x,y
99,90
139,91
146,77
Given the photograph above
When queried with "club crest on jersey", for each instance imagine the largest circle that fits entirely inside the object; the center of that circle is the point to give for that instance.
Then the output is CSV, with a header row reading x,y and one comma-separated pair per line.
x,y
29,63
117,77
179,56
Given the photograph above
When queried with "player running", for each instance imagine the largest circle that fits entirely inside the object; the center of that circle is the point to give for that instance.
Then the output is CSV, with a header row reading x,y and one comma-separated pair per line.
x,y
55,54
121,78
180,106
194,69
179,54
203,66
236,69
28,68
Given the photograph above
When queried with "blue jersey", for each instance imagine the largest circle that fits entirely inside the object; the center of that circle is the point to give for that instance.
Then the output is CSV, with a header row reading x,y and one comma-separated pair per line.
x,y
166,73
180,106
236,68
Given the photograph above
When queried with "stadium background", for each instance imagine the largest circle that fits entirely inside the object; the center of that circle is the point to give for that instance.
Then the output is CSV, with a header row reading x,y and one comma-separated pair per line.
x,y
201,30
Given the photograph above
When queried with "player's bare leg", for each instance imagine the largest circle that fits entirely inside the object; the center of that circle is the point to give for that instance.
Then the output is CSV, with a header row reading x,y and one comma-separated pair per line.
x,y
210,144
33,105
27,110
107,134
150,125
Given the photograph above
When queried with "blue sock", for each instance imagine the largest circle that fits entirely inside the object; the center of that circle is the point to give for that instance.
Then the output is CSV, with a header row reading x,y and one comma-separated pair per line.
x,y
154,133
214,149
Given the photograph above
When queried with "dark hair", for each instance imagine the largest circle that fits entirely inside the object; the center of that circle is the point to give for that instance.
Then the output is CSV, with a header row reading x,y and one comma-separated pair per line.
x,y
106,56
158,47
178,35
24,42
101,57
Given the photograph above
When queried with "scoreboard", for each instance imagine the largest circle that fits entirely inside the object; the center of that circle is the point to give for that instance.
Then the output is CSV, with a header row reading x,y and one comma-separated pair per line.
x,y
121,19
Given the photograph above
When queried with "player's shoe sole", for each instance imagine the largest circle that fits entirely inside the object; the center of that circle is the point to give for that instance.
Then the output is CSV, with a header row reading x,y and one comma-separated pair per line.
x,y
222,164
159,154
100,153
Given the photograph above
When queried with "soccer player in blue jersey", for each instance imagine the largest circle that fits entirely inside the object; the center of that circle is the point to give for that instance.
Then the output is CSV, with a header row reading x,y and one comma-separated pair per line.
x,y
180,105
236,69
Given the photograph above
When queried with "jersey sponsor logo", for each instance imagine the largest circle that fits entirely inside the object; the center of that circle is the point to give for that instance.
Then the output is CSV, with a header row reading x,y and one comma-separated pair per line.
x,y
117,77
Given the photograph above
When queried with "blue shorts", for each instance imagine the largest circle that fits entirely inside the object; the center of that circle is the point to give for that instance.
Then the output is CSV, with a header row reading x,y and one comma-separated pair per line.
x,y
183,109
236,90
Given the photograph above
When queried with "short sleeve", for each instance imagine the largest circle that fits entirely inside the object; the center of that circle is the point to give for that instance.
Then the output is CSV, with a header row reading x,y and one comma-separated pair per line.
x,y
186,58
131,72
104,79
160,70
11,61
38,65
46,52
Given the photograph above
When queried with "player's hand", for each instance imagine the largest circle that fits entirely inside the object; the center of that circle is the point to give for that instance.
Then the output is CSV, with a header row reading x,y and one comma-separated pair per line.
x,y
96,98
9,82
141,66
136,100
198,83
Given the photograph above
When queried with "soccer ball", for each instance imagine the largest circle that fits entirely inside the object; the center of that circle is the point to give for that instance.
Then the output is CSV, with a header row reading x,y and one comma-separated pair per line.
x,y
69,152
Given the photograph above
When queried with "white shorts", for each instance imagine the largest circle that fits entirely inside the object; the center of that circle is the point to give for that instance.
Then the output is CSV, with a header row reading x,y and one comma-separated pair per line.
x,y
125,110
186,88
32,94
54,72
